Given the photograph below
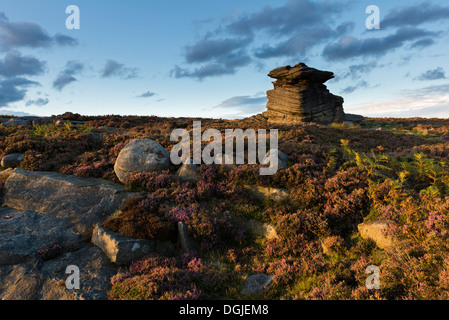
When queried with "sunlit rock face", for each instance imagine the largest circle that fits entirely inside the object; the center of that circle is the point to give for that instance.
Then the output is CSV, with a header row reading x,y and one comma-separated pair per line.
x,y
299,95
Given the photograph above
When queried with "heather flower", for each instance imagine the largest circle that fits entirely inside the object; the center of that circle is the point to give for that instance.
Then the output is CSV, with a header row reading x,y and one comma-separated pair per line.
x,y
53,250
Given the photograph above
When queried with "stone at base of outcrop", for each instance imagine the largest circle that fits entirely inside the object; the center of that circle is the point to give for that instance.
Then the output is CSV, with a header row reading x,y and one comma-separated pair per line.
x,y
257,284
375,230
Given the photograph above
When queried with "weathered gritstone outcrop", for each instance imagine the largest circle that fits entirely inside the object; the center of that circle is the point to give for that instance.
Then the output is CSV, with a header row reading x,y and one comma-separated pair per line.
x,y
299,95
84,201
41,208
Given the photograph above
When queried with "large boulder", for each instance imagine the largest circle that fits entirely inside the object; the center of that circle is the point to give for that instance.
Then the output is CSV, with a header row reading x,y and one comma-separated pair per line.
x,y
300,95
141,155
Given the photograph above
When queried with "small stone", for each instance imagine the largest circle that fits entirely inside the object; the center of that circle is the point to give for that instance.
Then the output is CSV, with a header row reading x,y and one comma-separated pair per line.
x,y
281,156
188,172
121,250
186,242
12,160
375,230
263,193
257,284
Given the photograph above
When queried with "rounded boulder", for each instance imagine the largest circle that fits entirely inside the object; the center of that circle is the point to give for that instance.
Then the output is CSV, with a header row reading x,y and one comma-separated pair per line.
x,y
141,155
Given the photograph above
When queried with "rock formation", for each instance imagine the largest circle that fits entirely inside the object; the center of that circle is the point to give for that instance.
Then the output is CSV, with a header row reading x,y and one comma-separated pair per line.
x,y
141,155
299,94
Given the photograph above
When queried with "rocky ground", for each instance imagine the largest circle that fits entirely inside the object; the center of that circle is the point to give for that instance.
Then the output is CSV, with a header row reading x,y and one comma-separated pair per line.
x,y
101,195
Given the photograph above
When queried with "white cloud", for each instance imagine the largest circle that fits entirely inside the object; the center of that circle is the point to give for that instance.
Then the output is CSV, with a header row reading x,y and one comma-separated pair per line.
x,y
427,102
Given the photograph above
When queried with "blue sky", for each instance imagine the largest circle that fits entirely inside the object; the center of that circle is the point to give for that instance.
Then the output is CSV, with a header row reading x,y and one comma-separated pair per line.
x,y
211,58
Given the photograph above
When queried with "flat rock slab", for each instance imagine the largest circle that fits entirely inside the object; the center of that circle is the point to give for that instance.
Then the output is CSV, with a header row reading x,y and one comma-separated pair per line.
x,y
83,201
46,281
23,276
23,233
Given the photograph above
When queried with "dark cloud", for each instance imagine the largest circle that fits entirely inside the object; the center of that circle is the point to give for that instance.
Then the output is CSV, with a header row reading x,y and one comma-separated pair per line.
x,y
114,69
294,15
423,43
351,89
240,101
415,14
356,71
297,44
220,56
435,74
14,64
38,102
209,70
294,28
208,49
147,94
3,17
67,75
351,47
225,65
63,80
28,34
12,90
63,40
